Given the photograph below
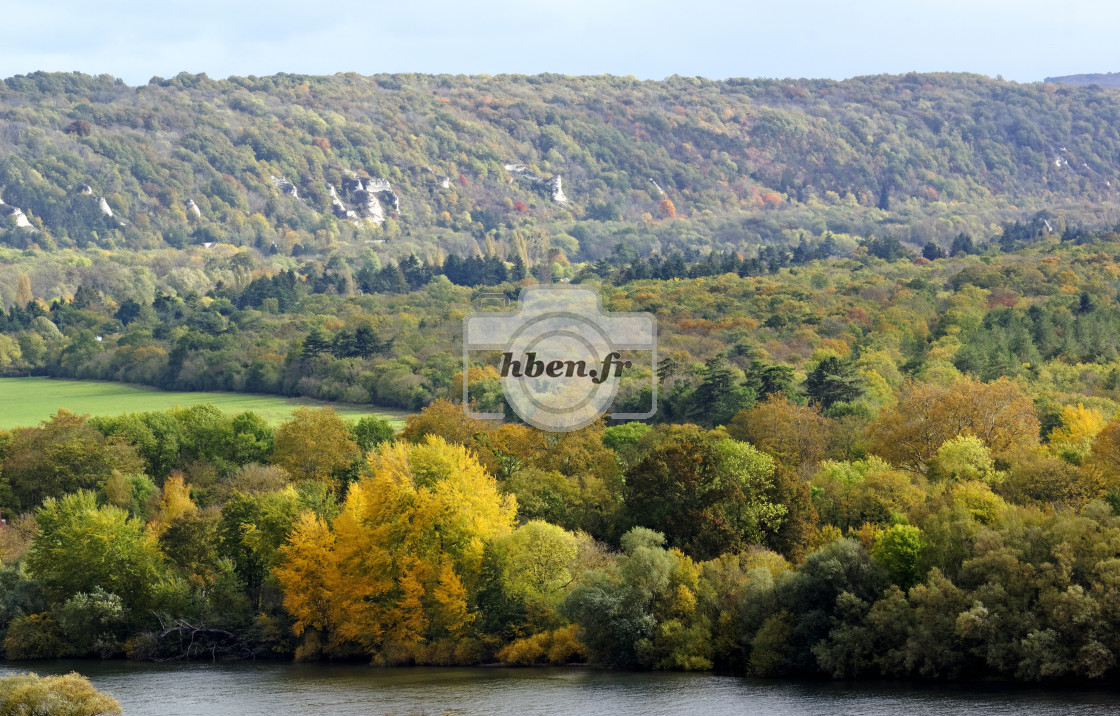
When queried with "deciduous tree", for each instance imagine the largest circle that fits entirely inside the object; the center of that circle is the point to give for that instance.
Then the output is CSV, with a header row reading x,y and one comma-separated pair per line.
x,y
400,565
314,445
910,432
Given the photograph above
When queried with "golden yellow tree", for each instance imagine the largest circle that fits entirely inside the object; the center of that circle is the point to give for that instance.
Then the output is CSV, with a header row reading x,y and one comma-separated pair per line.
x,y
176,502
1080,426
309,563
400,568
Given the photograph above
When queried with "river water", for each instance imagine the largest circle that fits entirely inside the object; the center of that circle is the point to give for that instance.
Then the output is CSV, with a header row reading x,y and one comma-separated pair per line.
x,y
349,690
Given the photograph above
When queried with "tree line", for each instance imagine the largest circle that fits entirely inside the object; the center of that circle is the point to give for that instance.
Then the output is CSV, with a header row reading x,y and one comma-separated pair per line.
x,y
942,538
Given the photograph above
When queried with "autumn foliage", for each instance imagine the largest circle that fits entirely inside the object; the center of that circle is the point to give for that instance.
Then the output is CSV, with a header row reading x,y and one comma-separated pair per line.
x,y
926,415
396,571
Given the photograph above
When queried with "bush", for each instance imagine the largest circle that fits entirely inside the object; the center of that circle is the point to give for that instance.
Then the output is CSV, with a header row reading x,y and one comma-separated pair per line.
x,y
93,622
36,636
527,651
560,646
69,695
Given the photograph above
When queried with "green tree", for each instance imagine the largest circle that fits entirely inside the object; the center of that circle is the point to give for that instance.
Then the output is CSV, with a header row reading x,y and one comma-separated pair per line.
x,y
82,547
529,572
370,431
707,494
899,550
720,394
64,454
808,600
834,381
94,623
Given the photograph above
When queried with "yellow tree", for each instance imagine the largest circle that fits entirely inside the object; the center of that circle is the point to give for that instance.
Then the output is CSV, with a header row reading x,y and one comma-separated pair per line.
x,y
309,563
176,502
23,291
400,570
314,445
1080,426
1106,449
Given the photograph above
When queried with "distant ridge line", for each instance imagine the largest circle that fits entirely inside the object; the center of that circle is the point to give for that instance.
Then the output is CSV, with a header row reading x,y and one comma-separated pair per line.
x,y
1107,79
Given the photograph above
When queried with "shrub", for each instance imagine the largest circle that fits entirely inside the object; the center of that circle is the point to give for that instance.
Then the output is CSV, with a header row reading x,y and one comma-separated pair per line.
x,y
560,646
69,695
35,636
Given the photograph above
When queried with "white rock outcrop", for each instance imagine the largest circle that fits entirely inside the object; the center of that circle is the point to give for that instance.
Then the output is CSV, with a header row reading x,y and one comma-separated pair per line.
x,y
375,185
555,186
371,207
193,208
337,207
85,189
367,194
285,186
104,206
352,183
7,210
522,171
660,191
445,182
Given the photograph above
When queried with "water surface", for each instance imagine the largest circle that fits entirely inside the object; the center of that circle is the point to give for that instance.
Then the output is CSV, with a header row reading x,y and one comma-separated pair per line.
x,y
349,690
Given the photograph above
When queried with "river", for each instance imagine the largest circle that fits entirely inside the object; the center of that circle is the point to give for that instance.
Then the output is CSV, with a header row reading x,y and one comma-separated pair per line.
x,y
349,690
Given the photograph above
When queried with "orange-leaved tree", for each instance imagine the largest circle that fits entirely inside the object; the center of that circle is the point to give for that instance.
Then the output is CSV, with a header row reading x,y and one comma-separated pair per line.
x,y
909,433
794,435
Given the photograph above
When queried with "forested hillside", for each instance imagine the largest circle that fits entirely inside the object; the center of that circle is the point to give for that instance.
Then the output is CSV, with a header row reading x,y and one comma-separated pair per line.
x,y
434,165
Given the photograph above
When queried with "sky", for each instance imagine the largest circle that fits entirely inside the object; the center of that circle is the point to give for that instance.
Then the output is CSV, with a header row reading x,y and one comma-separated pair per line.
x,y
1022,40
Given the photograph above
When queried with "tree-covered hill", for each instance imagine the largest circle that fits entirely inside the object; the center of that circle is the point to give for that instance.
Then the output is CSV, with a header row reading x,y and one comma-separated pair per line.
x,y
446,164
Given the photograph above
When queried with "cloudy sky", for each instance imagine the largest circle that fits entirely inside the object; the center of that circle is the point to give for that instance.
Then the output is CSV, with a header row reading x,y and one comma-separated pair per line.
x,y
1023,40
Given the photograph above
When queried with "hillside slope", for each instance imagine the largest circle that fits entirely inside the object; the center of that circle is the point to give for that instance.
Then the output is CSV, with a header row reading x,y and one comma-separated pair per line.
x,y
293,164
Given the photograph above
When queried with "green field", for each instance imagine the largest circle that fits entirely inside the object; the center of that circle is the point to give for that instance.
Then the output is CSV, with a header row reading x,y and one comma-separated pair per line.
x,y
27,401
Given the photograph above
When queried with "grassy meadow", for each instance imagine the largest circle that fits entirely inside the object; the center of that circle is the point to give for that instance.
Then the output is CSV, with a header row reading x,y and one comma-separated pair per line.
x,y
27,401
